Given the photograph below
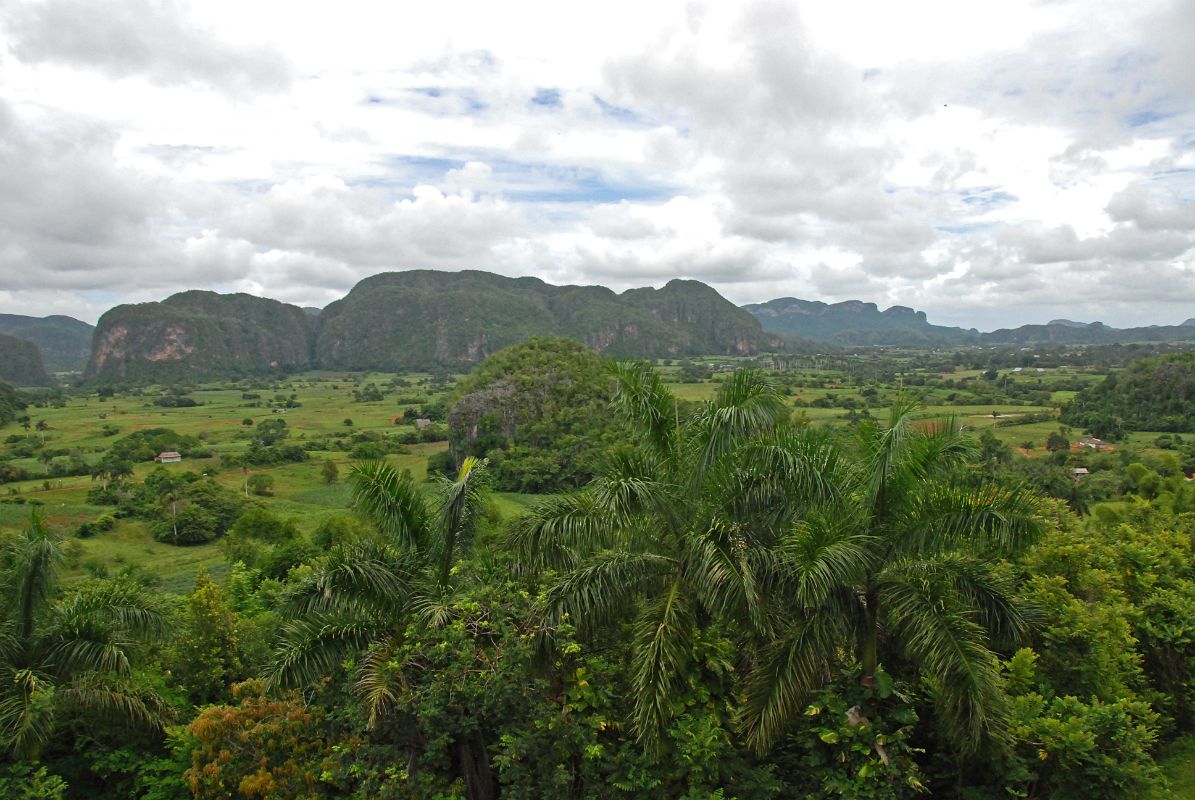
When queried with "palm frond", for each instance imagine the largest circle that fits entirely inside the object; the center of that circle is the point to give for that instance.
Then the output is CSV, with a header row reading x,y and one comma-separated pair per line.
x,y
313,646
82,650
631,484
950,648
977,585
663,633
27,711
792,668
378,684
392,500
117,605
824,552
34,557
459,512
115,702
990,518
747,405
595,592
557,532
643,400
359,577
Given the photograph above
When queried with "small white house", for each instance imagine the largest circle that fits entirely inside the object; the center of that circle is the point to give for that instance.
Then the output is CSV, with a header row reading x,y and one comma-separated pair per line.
x,y
170,457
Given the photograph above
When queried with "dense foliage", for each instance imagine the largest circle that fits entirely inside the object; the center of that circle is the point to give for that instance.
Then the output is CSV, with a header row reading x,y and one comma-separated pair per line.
x,y
538,411
459,318
21,363
733,602
1153,394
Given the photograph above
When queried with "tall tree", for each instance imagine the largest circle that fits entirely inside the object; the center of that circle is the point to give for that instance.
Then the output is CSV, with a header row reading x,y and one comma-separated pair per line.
x,y
361,597
72,655
680,532
902,565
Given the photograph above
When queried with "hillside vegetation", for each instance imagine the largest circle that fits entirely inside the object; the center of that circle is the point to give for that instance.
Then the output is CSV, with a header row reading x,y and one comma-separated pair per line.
x,y
21,363
193,335
64,342
423,319
1155,394
538,410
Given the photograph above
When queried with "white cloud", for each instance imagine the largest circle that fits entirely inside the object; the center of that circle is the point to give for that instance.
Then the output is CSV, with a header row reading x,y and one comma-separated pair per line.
x,y
987,161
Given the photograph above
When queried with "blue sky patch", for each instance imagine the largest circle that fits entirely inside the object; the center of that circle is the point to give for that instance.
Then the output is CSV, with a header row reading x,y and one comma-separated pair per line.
x,y
964,229
548,98
987,198
1146,117
617,112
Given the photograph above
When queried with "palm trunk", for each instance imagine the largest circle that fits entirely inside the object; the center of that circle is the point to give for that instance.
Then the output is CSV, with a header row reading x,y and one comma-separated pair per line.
x,y
869,637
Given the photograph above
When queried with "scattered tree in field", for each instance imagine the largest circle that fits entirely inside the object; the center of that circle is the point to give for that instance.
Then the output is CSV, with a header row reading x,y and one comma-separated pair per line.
x,y
261,484
330,472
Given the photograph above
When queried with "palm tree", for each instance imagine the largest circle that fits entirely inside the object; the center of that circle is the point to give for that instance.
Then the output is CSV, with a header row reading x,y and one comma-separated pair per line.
x,y
76,654
903,564
361,597
680,531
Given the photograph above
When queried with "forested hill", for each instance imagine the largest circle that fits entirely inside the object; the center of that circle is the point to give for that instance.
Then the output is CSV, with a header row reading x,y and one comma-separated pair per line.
x,y
64,342
855,322
1153,394
194,335
21,363
422,319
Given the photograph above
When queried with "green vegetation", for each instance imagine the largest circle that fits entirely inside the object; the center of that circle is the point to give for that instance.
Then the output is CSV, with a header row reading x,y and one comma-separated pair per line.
x,y
538,411
458,318
1153,394
796,575
64,342
21,363
197,336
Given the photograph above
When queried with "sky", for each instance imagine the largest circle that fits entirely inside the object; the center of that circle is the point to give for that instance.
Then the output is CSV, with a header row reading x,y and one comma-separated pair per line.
x,y
990,163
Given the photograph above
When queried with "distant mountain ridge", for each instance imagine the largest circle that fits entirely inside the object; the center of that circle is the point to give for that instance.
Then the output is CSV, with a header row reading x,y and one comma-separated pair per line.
x,y
854,322
21,363
414,320
64,342
427,319
197,335
423,318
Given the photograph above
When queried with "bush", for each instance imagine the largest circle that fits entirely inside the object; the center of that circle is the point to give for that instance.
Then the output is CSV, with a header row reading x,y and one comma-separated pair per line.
x,y
98,525
261,485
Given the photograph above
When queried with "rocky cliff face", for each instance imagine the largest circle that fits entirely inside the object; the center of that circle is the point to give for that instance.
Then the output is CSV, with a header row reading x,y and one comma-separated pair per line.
x,y
198,336
21,363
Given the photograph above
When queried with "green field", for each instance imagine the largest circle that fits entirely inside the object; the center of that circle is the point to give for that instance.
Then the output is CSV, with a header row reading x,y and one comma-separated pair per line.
x,y
83,425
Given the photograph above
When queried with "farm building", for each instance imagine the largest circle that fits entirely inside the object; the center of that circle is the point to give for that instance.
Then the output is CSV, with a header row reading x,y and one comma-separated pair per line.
x,y
170,457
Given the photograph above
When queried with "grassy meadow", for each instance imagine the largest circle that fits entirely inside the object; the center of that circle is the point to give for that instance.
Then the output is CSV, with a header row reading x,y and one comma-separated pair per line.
x,y
85,425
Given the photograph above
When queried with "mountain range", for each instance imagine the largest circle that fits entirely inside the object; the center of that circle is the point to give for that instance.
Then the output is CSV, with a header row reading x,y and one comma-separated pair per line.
x,y
425,319
854,322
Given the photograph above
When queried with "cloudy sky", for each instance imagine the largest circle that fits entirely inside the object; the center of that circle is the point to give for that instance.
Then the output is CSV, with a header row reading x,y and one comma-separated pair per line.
x,y
993,163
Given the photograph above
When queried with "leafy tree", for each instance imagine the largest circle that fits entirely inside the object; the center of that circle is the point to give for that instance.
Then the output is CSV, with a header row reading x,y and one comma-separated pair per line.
x,y
261,484
904,566
359,598
263,746
678,532
204,655
75,656
330,472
